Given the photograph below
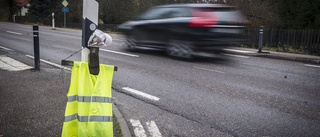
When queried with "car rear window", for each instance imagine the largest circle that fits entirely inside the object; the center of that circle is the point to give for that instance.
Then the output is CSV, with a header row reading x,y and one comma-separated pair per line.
x,y
221,14
229,15
164,13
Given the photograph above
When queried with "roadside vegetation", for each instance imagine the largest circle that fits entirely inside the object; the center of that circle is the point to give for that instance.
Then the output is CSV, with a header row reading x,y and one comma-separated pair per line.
x,y
285,48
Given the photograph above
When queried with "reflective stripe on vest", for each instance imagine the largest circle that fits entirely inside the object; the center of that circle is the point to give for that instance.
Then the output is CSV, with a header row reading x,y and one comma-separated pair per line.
x,y
91,119
88,99
89,107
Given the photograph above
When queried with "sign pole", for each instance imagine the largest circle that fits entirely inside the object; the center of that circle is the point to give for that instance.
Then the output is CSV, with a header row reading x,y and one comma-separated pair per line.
x,y
64,24
64,10
89,25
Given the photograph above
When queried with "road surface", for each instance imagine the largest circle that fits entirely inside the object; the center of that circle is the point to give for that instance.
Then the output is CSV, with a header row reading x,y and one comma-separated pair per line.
x,y
162,96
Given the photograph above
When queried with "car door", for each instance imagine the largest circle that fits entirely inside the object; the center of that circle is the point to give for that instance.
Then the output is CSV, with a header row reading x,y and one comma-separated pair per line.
x,y
164,24
148,27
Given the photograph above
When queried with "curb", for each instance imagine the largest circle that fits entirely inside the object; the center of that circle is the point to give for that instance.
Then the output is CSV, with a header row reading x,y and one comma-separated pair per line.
x,y
123,124
288,58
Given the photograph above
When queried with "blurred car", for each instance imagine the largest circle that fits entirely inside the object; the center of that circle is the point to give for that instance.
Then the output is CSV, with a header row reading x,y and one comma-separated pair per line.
x,y
185,30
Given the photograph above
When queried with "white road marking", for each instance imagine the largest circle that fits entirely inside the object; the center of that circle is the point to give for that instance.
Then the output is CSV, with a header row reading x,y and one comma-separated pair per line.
x,y
141,93
121,53
308,65
209,70
118,40
240,51
51,63
5,48
7,63
239,56
81,34
140,132
153,129
138,128
70,33
14,32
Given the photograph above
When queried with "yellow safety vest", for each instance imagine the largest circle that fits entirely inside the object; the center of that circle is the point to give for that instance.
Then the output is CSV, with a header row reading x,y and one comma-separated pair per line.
x,y
89,108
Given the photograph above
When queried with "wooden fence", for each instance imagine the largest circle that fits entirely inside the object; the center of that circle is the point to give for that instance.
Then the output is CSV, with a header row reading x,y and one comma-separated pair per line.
x,y
307,41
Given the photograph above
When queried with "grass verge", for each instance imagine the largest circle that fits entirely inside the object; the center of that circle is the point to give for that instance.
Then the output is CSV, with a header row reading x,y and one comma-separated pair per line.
x,y
116,128
284,48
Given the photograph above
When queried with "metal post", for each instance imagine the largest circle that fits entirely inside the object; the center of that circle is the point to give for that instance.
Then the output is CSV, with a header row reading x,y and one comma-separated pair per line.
x,y
53,25
65,22
36,47
260,39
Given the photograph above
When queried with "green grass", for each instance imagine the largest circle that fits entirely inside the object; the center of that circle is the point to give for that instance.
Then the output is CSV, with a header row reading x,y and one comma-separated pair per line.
x,y
117,127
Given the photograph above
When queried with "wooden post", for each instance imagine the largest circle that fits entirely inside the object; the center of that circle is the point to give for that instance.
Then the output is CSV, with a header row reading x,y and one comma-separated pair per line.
x,y
94,60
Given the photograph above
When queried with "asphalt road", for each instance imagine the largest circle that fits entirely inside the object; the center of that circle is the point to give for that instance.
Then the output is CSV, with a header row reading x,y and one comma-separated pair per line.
x,y
225,96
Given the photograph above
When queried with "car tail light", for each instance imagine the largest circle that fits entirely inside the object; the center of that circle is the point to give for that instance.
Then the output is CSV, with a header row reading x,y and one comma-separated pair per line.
x,y
204,18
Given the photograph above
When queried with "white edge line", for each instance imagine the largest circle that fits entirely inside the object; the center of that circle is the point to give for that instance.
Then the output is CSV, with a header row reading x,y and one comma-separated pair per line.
x,y
48,62
14,32
6,48
153,129
51,63
239,56
209,70
119,53
79,34
308,65
118,40
241,51
141,93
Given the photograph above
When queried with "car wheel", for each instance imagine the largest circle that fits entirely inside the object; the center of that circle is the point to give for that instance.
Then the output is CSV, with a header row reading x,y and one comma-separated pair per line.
x,y
179,48
130,43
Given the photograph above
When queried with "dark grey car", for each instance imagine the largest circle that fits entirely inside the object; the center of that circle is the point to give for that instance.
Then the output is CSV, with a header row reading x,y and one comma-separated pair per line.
x,y
185,30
